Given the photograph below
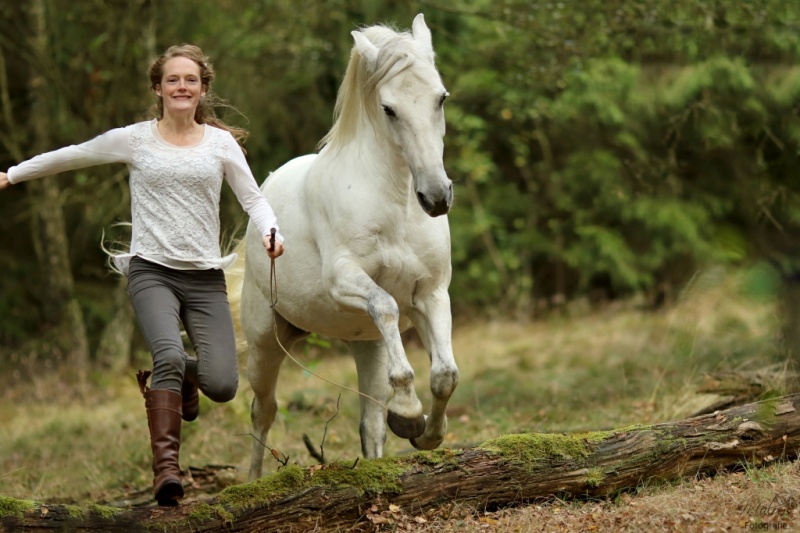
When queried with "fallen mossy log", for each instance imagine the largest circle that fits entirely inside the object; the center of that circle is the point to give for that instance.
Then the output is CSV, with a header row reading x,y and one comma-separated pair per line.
x,y
507,470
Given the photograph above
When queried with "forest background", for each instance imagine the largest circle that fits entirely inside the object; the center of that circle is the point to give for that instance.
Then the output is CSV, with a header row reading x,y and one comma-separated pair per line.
x,y
601,149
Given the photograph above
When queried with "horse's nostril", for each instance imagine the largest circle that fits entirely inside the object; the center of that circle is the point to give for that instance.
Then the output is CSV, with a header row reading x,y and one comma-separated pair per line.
x,y
437,207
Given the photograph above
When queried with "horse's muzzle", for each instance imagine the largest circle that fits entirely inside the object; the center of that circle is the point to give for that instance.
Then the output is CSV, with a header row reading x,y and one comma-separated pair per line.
x,y
436,206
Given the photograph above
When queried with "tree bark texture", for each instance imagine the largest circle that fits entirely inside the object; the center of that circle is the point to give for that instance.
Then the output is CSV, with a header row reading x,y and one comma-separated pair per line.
x,y
509,470
114,349
790,316
49,228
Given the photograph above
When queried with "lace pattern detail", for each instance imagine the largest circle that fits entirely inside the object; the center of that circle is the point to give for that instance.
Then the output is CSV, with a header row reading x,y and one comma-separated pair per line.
x,y
175,195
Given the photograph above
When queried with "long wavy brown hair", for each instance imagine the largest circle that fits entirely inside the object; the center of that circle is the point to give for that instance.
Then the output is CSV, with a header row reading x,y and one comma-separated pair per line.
x,y
205,113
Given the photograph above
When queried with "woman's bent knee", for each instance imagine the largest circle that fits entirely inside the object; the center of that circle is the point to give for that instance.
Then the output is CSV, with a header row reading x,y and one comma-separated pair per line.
x,y
221,392
168,369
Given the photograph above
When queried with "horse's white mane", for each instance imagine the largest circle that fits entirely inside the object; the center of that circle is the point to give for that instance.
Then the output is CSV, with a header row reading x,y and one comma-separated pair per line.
x,y
355,101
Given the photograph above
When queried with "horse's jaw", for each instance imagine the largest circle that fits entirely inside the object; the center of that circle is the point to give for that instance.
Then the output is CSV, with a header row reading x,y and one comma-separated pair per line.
x,y
430,184
432,187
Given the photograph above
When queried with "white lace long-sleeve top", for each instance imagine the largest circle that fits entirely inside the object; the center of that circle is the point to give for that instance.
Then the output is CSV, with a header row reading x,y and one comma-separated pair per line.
x,y
175,191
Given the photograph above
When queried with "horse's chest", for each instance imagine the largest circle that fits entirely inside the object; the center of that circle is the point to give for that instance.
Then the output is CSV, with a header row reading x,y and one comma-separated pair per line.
x,y
399,271
397,276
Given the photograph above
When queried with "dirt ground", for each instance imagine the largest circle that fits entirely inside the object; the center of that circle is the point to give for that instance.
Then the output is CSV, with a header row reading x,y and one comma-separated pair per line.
x,y
765,499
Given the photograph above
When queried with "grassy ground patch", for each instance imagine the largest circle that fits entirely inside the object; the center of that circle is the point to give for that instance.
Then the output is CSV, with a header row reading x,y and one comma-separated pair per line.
x,y
579,372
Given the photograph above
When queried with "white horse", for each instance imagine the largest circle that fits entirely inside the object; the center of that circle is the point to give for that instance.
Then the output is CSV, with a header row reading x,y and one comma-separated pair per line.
x,y
367,244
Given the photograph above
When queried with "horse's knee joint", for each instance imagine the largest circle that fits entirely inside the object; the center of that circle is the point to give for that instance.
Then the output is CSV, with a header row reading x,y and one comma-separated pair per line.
x,y
401,380
382,306
444,383
263,412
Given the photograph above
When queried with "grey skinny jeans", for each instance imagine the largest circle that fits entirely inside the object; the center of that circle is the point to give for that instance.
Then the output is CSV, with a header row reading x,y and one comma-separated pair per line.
x,y
163,298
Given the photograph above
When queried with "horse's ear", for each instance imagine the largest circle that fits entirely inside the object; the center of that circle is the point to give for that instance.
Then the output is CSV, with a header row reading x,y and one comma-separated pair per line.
x,y
365,47
421,32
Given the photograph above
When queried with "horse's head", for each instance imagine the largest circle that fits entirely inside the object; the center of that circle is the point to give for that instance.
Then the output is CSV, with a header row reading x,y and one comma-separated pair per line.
x,y
407,99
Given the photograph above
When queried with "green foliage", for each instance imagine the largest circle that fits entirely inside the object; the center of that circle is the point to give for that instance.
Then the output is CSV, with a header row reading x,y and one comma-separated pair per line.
x,y
14,507
531,448
618,145
599,147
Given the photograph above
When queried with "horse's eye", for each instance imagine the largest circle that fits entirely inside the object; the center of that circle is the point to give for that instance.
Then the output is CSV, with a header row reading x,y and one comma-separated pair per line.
x,y
444,97
389,111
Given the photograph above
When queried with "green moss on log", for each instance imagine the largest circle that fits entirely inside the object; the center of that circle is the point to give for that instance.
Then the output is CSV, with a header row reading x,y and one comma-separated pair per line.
x,y
14,507
264,490
594,477
437,457
373,476
202,512
103,511
531,449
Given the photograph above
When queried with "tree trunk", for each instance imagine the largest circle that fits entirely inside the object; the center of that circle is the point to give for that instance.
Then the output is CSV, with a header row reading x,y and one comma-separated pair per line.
x,y
509,470
114,350
50,234
790,317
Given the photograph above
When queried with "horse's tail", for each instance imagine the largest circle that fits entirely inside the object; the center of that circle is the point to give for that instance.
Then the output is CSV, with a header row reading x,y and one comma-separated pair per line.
x,y
234,278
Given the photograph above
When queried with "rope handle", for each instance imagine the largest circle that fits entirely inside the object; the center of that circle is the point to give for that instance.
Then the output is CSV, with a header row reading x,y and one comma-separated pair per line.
x,y
273,281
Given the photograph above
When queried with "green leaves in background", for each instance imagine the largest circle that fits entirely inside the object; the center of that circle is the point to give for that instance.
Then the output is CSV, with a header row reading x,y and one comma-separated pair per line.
x,y
620,145
598,146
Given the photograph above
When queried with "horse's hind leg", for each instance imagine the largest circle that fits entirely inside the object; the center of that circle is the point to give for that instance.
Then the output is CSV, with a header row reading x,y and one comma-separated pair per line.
x,y
433,322
263,366
373,381
262,371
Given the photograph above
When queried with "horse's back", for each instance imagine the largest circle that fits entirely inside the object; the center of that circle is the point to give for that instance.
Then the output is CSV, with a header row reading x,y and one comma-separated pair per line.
x,y
285,191
294,171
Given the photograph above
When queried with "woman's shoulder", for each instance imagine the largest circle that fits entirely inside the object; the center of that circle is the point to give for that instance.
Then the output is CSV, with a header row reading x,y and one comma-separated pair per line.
x,y
224,139
141,137
143,123
139,128
125,130
221,133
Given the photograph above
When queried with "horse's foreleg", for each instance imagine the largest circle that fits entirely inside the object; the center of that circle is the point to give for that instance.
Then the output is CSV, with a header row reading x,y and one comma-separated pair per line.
x,y
433,322
353,289
372,363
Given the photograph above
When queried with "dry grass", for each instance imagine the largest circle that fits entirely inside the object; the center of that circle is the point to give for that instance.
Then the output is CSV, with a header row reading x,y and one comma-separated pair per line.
x,y
585,370
731,502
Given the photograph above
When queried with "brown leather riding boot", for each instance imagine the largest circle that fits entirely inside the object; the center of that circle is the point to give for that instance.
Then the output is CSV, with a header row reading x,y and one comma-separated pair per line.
x,y
164,419
189,392
191,401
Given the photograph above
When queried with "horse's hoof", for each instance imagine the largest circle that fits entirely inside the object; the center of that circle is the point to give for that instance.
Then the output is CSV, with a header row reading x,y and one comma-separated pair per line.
x,y
406,428
425,444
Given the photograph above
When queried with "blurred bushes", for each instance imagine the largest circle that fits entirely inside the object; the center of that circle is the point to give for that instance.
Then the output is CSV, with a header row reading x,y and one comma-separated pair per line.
x,y
615,147
599,147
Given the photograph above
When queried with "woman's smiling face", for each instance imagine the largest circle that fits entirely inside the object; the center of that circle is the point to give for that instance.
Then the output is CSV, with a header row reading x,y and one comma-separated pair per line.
x,y
181,86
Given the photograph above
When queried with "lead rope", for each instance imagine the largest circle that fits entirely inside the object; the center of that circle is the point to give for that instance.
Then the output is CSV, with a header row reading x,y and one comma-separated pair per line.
x,y
273,297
